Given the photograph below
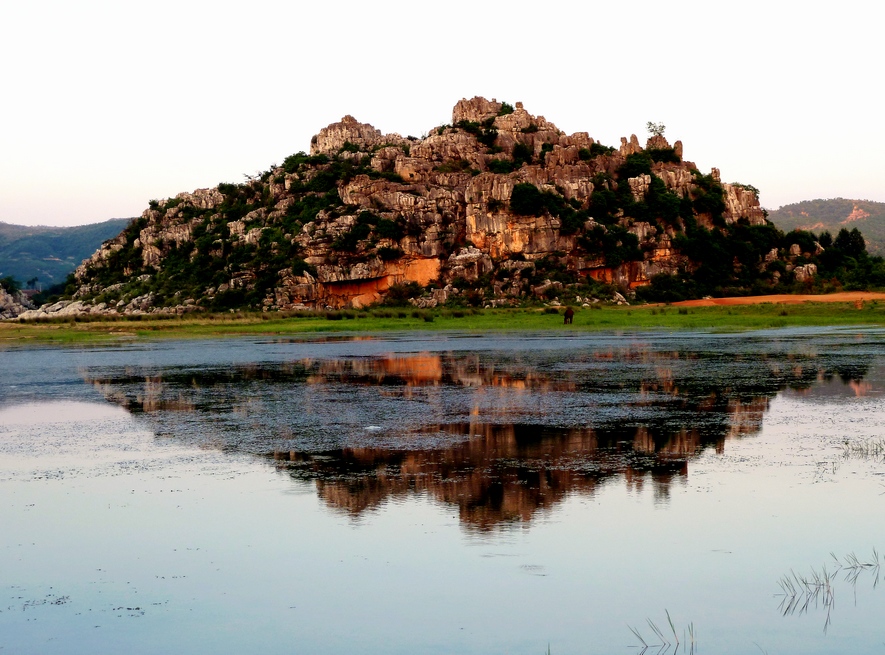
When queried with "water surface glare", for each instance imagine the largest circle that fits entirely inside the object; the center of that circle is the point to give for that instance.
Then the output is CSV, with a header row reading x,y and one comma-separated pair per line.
x,y
445,493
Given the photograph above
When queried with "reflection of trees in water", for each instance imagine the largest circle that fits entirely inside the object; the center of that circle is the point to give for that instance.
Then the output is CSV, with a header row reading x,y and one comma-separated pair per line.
x,y
509,434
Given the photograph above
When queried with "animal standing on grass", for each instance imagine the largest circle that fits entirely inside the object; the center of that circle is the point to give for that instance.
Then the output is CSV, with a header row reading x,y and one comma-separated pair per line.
x,y
569,315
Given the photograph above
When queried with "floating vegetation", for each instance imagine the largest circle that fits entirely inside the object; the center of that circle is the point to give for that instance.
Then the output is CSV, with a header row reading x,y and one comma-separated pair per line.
x,y
661,641
799,593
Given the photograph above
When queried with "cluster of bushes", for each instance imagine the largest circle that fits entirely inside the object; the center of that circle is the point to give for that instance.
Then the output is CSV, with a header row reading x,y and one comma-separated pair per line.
x,y
520,156
613,242
709,197
730,262
368,224
388,254
300,160
636,164
484,132
553,268
664,155
398,295
506,108
595,150
606,206
528,200
10,284
845,261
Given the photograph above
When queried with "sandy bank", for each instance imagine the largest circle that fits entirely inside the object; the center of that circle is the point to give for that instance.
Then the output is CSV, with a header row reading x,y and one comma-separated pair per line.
x,y
787,299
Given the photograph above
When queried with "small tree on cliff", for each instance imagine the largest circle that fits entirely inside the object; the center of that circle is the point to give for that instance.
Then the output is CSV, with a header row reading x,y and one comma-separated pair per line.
x,y
655,129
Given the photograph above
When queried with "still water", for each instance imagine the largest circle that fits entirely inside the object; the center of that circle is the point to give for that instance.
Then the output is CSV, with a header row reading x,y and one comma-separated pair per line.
x,y
446,494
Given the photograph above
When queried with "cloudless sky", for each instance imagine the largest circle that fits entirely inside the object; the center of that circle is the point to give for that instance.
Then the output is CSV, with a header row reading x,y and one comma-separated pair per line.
x,y
106,105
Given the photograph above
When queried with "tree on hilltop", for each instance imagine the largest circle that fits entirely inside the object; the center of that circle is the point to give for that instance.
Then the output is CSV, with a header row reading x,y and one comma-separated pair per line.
x,y
655,129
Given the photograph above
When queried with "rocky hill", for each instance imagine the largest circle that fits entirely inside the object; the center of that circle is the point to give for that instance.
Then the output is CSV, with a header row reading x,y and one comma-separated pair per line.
x,y
499,207
833,215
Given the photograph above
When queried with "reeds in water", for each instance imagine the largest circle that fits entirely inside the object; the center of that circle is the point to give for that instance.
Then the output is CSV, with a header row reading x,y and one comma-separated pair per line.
x,y
661,640
873,449
799,593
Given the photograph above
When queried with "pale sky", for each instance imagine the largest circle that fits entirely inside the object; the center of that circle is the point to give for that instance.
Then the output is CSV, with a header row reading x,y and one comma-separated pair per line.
x,y
106,105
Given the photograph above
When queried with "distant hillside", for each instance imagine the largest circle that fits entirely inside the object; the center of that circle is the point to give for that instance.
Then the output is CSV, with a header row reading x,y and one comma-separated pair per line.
x,y
50,253
833,215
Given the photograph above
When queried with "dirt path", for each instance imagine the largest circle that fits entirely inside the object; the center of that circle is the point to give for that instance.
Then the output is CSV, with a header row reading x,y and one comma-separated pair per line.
x,y
787,299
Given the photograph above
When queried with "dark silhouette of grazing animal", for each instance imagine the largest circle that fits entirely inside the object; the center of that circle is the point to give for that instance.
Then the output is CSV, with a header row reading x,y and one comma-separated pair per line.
x,y
569,315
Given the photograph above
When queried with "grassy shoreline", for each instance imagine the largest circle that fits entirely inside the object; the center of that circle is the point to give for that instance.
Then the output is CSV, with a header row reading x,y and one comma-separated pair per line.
x,y
606,318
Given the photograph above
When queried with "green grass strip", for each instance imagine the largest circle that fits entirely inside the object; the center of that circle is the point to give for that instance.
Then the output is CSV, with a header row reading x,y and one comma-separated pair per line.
x,y
608,318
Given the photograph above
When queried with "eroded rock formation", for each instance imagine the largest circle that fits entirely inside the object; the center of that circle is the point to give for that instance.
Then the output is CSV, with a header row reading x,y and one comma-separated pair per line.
x,y
499,201
13,305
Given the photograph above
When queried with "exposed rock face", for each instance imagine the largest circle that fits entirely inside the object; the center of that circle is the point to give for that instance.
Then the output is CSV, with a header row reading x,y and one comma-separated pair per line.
x,y
856,214
367,211
333,138
741,202
13,305
804,272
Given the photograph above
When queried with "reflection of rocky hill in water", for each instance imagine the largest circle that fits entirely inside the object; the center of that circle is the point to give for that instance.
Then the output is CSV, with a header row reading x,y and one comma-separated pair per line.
x,y
501,436
497,474
844,384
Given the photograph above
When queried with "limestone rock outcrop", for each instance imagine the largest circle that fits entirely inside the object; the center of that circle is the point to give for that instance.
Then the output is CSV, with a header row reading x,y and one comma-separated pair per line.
x,y
13,305
499,198
350,132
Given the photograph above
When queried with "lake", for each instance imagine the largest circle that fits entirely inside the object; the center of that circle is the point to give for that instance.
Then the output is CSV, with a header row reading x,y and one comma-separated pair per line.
x,y
446,493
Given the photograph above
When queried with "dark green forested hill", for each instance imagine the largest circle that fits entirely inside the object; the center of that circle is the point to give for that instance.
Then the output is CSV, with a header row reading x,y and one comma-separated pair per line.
x,y
834,214
50,253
